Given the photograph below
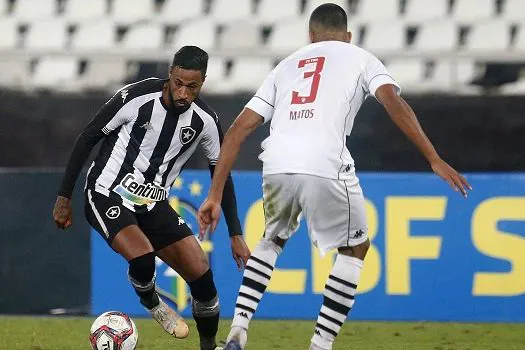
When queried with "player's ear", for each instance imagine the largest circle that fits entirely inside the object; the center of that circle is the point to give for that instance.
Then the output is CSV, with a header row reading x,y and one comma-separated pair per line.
x,y
312,36
349,36
169,72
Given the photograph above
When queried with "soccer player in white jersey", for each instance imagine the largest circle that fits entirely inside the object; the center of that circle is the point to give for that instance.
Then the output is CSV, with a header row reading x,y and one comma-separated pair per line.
x,y
311,99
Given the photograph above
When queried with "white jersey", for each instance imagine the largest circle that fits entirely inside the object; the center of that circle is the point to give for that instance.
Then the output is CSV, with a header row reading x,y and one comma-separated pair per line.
x,y
311,99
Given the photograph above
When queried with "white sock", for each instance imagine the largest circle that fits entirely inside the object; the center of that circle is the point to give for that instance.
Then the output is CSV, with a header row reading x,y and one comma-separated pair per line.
x,y
338,300
257,275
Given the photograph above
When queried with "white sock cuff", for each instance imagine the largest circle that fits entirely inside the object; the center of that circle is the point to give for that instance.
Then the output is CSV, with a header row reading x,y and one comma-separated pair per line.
x,y
345,259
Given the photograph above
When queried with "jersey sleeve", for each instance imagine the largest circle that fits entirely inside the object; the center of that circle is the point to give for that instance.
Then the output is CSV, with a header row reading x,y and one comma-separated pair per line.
x,y
263,102
376,75
211,140
105,121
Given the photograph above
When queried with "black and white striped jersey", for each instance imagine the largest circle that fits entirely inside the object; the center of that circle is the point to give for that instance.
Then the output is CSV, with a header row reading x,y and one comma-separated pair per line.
x,y
145,144
148,144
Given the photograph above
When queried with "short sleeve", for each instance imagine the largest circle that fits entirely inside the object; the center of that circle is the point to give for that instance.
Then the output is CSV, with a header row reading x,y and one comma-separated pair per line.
x,y
263,101
377,75
212,140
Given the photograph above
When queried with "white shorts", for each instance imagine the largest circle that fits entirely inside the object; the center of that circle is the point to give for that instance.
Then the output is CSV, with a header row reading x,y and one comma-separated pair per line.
x,y
333,209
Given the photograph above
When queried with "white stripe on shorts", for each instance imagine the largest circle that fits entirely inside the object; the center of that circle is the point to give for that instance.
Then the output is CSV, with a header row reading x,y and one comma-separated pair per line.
x,y
97,215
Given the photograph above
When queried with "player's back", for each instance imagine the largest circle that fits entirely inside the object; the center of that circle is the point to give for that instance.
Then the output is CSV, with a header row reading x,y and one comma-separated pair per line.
x,y
317,93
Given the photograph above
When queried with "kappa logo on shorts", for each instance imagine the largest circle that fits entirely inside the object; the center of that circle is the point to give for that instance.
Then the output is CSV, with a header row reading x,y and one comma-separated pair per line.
x,y
113,212
359,234
187,133
181,221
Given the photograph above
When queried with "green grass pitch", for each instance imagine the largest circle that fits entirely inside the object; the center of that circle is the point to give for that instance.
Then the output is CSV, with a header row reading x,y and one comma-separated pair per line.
x,y
68,333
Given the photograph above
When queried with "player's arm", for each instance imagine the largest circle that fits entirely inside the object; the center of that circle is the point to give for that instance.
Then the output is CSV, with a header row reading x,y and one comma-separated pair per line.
x,y
104,122
405,119
247,121
211,143
259,109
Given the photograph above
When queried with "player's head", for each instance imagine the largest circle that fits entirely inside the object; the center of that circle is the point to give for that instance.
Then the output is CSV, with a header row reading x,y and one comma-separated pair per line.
x,y
187,74
329,22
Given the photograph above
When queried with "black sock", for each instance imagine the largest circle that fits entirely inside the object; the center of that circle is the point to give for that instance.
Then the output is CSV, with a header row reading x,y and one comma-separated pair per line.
x,y
142,277
205,307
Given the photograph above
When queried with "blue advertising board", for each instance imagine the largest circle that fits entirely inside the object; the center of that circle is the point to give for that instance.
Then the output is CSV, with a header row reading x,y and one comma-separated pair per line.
x,y
434,255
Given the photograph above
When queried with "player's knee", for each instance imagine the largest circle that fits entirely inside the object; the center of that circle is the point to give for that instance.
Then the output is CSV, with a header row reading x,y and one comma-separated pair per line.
x,y
205,301
141,270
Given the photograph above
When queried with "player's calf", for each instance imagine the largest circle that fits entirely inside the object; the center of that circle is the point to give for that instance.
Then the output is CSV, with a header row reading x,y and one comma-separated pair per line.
x,y
339,294
141,274
206,309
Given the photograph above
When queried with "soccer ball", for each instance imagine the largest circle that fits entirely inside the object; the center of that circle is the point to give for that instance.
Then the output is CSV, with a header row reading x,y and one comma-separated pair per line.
x,y
113,330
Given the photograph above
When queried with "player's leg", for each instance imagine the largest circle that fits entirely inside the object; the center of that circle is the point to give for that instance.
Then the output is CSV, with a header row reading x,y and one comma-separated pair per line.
x,y
119,227
335,213
176,245
281,218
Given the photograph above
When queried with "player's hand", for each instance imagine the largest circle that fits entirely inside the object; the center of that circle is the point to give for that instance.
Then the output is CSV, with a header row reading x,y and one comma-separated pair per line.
x,y
240,251
208,216
62,212
450,175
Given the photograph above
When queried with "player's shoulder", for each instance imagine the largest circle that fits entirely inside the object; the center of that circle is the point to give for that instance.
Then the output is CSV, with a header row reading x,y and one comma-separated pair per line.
x,y
143,87
130,92
204,110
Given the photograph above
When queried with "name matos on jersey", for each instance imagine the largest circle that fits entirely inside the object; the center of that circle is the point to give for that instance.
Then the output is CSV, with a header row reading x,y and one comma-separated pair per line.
x,y
140,193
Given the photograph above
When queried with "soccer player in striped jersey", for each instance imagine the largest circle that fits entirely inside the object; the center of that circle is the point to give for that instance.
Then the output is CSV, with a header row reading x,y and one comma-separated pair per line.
x,y
150,130
311,99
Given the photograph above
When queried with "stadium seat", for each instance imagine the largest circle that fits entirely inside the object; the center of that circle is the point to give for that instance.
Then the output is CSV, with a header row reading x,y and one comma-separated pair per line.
x,y
28,10
513,10
407,72
145,36
311,5
95,35
9,30
469,11
242,35
224,11
176,11
103,72
47,35
377,10
124,14
516,88
441,36
4,6
489,36
215,76
271,11
421,11
453,73
200,33
385,37
55,72
248,74
83,10
15,72
519,40
288,36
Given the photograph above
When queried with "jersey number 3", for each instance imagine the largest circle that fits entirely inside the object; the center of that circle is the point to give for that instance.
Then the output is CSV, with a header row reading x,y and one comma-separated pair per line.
x,y
316,78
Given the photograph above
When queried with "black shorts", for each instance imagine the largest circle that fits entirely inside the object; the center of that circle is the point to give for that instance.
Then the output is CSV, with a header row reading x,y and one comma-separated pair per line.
x,y
161,225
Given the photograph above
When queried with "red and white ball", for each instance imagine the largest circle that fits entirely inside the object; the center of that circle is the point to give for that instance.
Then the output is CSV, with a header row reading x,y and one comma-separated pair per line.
x,y
113,330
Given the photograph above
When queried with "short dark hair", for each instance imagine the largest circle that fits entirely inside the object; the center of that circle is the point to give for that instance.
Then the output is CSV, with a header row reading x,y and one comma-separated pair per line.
x,y
191,57
329,16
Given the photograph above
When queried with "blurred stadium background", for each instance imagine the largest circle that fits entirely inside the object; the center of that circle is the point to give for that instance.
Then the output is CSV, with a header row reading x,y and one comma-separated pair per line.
x,y
461,65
